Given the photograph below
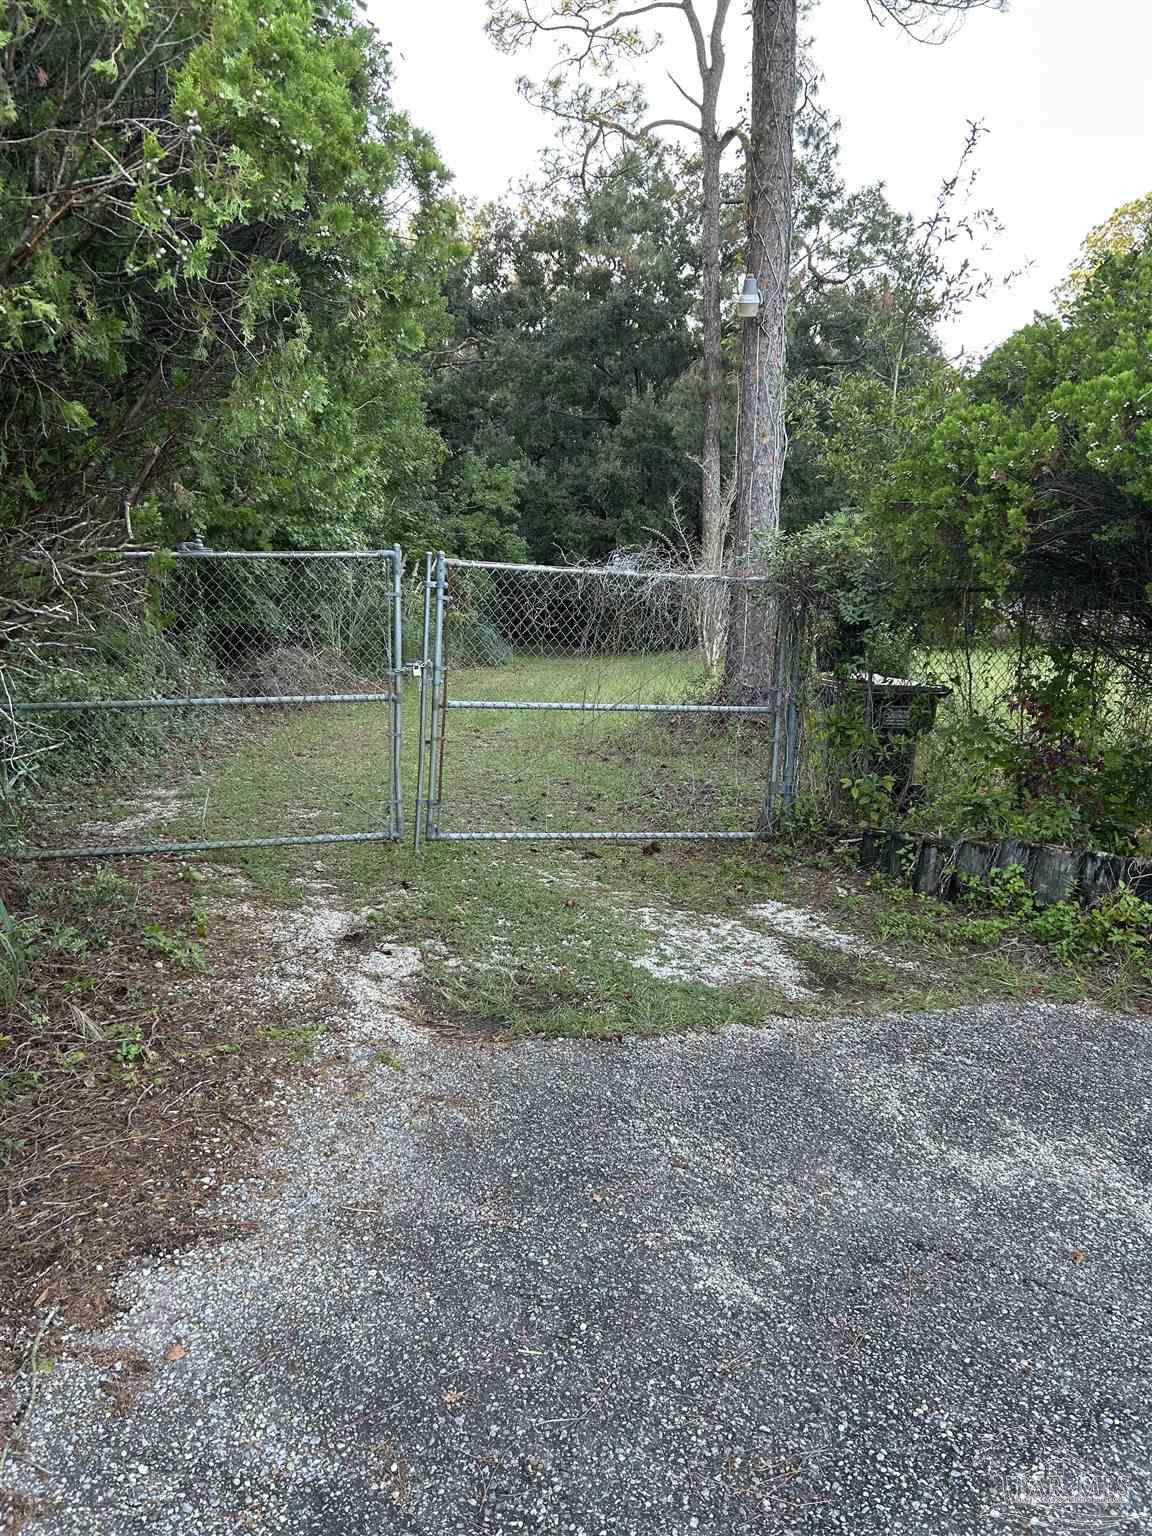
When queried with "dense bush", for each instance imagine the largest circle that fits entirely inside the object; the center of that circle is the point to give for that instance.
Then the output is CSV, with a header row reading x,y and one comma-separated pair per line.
x,y
88,746
1042,737
472,641
1115,928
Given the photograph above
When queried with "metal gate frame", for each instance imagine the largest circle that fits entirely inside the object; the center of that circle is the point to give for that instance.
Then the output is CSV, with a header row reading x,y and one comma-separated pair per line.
x,y
434,704
392,696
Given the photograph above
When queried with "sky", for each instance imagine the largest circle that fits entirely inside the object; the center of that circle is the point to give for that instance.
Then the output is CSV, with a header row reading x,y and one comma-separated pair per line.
x,y
1064,89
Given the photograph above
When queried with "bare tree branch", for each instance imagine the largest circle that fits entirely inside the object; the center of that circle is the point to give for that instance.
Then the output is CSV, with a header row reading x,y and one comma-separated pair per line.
x,y
929,21
688,97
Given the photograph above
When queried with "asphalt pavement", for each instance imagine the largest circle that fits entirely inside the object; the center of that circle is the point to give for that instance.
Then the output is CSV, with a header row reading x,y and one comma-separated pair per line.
x,y
858,1276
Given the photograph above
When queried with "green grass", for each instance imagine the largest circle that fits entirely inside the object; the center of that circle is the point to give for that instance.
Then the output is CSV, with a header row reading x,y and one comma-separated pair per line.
x,y
538,939
327,769
541,940
558,770
14,955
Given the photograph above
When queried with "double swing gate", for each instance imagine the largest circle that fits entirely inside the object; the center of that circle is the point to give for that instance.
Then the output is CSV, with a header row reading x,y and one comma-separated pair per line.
x,y
554,703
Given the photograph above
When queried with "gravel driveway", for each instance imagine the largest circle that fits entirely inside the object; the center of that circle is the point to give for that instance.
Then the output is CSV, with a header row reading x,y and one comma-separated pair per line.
x,y
858,1276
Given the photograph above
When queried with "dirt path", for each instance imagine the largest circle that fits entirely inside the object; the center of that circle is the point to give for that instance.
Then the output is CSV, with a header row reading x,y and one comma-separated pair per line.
x,y
885,1275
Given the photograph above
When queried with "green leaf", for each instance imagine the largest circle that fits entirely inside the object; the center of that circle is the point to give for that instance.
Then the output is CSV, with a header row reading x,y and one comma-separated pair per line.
x,y
76,414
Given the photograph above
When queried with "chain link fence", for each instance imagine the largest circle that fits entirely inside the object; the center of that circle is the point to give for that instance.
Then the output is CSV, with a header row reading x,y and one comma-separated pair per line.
x,y
1009,720
258,697
590,703
232,674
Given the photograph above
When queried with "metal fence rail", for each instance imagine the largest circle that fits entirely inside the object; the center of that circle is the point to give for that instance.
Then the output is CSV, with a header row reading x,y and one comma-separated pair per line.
x,y
587,704
235,666
976,714
261,696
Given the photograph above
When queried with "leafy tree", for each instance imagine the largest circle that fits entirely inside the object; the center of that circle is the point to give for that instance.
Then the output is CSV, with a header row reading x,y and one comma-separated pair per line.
x,y
474,509
1035,476
1125,229
574,327
220,252
575,360
588,92
864,360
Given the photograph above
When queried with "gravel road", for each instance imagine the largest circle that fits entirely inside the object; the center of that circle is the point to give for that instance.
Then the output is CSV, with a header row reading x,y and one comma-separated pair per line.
x,y
884,1276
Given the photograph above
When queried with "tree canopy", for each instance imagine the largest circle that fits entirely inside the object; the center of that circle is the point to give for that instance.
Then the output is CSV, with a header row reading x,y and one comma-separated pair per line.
x,y
237,300
1035,475
221,252
574,368
573,331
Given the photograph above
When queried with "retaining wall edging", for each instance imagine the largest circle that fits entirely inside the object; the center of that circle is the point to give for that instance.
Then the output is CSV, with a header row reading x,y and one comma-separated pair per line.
x,y
940,868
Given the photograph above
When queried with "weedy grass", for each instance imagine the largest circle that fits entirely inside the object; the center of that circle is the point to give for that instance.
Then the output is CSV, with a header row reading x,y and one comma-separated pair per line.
x,y
14,955
527,938
541,939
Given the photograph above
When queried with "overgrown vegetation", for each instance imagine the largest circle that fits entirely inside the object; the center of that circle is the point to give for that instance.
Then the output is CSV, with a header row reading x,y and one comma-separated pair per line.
x,y
1003,547
222,250
221,254
1025,740
1117,927
232,332
1103,950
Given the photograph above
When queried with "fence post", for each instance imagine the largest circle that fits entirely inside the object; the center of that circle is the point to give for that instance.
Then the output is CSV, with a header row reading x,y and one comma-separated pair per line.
x,y
787,667
795,680
423,728
768,804
397,688
436,757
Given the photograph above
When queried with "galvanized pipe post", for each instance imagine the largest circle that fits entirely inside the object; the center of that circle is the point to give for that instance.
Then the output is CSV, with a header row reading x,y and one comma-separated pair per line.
x,y
772,782
397,690
436,758
791,749
419,827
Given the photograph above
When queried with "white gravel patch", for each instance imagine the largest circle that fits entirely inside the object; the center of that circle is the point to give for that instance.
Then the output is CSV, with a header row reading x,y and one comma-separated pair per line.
x,y
798,924
720,952
319,943
153,807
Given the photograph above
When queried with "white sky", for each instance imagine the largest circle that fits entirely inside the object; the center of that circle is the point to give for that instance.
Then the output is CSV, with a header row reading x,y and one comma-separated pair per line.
x,y
1064,87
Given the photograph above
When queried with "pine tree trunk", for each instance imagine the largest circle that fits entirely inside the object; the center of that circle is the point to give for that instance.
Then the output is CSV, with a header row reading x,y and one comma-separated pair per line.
x,y
712,513
761,438
714,507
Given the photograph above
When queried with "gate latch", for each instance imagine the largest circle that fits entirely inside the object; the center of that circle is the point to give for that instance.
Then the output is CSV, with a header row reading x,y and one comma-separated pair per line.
x,y
413,668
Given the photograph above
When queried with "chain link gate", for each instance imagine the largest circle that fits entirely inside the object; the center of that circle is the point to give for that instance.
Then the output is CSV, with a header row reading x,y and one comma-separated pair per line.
x,y
255,670
585,704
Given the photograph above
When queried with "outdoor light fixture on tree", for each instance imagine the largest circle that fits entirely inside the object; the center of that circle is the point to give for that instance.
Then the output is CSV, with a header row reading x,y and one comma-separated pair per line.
x,y
748,304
